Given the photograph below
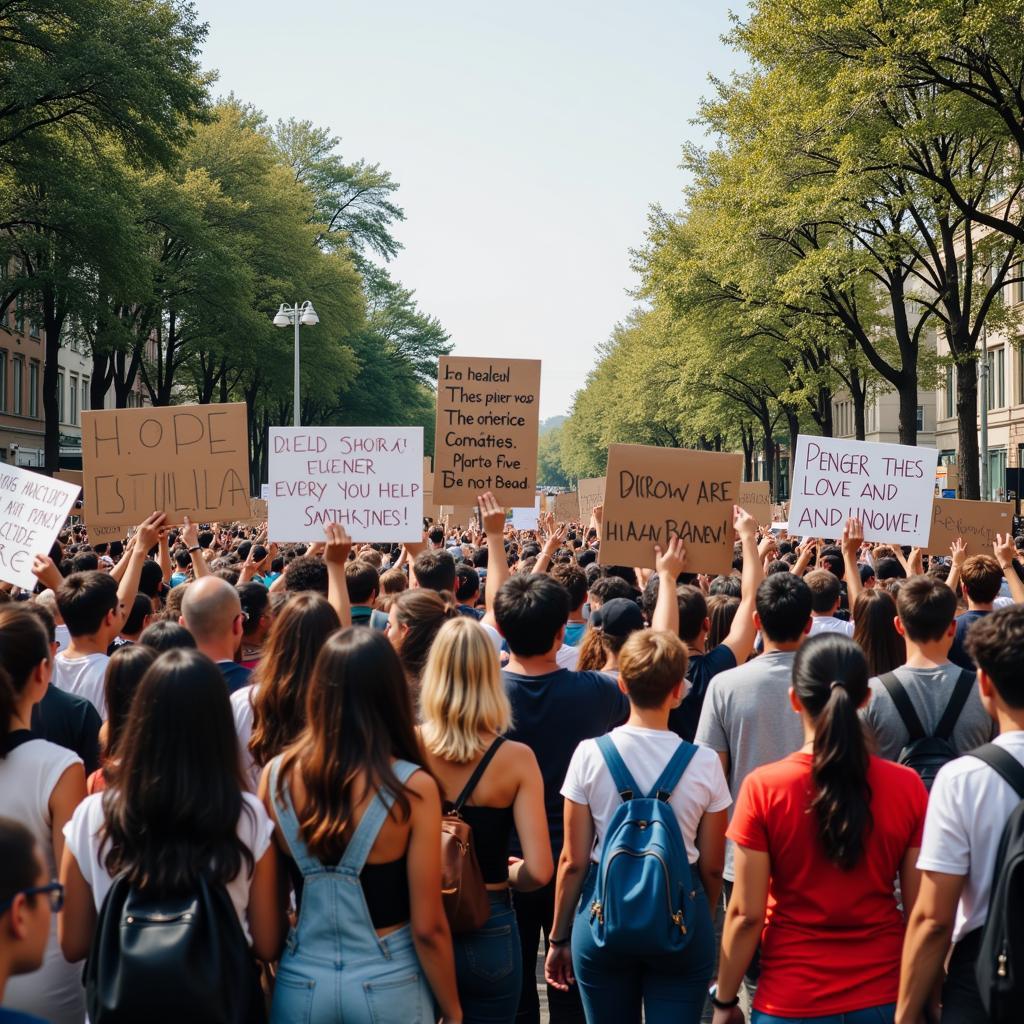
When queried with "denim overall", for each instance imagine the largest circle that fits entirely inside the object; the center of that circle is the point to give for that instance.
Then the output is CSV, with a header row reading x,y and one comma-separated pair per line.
x,y
335,968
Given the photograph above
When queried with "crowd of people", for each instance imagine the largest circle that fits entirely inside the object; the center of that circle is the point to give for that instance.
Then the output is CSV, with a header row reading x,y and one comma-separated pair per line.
x,y
370,783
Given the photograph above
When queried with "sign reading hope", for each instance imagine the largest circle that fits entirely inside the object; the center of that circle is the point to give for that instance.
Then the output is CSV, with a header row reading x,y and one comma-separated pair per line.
x,y
888,486
368,479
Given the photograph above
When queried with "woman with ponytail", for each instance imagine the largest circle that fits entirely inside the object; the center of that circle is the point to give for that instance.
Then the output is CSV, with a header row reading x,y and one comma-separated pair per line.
x,y
819,838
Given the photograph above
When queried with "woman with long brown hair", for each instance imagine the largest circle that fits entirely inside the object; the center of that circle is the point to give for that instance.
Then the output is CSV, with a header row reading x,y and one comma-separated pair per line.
x,y
874,630
414,618
271,712
360,823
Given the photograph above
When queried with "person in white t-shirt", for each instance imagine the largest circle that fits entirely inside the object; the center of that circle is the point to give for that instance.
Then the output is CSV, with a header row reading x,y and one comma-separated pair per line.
x,y
967,809
94,607
825,601
652,672
174,808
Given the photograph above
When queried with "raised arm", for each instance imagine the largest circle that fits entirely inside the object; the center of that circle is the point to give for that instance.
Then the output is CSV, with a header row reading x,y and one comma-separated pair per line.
x,y
554,537
145,537
1005,552
958,551
493,516
190,538
806,549
741,635
164,555
339,544
668,564
853,538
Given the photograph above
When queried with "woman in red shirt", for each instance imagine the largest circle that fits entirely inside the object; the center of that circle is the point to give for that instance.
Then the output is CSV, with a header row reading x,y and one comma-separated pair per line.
x,y
819,838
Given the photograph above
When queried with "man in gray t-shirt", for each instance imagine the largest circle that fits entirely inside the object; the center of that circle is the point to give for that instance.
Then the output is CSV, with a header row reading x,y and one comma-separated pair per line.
x,y
927,610
747,717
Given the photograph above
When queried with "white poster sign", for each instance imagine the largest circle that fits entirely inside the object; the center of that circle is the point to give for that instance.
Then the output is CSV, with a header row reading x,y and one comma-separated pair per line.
x,y
526,518
367,479
888,486
32,510
264,492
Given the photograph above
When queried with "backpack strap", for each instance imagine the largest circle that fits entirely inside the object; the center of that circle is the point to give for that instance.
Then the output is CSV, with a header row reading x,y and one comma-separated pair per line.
x,y
1003,762
957,700
467,790
620,773
903,705
669,778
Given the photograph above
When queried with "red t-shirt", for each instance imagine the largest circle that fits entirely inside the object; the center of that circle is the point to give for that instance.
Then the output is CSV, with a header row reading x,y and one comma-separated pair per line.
x,y
833,938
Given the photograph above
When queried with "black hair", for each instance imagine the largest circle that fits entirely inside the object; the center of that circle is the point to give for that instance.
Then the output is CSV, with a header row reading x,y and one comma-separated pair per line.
x,y
151,579
830,678
783,603
23,646
141,607
435,570
467,584
84,600
727,586
306,573
530,611
255,600
166,636
20,862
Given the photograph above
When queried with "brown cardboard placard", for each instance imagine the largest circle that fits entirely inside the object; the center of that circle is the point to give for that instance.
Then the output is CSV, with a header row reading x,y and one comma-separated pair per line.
x,y
185,460
976,521
462,515
567,507
487,429
654,492
591,493
755,498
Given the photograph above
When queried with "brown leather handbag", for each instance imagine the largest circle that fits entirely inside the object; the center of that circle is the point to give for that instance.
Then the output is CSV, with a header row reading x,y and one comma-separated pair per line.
x,y
462,882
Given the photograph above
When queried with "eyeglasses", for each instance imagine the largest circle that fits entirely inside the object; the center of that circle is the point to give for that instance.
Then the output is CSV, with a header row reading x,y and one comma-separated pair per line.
x,y
54,892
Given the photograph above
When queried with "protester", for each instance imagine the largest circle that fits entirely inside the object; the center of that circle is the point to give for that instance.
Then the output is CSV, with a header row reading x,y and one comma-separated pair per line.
x,y
348,794
166,636
465,713
212,613
40,786
825,600
611,626
874,631
967,810
414,618
819,837
363,583
258,617
28,901
670,988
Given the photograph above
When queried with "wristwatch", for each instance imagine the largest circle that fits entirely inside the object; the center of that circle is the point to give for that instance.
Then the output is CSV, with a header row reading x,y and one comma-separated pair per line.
x,y
722,1004
192,551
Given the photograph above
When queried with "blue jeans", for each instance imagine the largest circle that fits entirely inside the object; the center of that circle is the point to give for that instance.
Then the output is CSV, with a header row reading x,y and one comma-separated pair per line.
x,y
489,966
871,1015
671,989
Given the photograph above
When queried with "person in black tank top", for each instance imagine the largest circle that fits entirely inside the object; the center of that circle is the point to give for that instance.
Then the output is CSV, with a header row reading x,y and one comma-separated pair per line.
x,y
496,786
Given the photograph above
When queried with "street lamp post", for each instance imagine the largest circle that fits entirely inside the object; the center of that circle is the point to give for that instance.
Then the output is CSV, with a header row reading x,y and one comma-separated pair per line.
x,y
305,315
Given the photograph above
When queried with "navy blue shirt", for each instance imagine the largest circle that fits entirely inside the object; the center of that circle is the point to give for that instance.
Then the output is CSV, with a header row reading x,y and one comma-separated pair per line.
x,y
235,675
700,671
958,653
552,714
71,722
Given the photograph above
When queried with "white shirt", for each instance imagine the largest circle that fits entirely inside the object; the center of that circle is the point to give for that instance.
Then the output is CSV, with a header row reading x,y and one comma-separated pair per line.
x,y
566,656
83,676
646,752
62,636
241,711
830,624
968,806
83,834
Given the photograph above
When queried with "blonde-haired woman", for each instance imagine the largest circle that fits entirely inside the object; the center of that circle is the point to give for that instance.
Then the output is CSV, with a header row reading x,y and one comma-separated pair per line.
x,y
495,784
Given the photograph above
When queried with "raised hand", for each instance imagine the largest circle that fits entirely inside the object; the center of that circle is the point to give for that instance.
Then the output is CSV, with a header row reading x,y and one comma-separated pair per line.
x,y
338,545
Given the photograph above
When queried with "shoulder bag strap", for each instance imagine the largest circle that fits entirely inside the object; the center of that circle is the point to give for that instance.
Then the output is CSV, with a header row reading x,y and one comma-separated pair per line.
x,y
956,704
467,790
620,773
669,778
1003,762
903,705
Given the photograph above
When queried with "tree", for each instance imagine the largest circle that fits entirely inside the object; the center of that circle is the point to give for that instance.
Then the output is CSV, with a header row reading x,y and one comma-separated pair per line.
x,y
549,460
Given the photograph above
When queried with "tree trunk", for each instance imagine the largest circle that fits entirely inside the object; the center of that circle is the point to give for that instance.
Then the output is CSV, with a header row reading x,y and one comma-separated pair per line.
x,y
768,442
53,322
859,394
747,440
967,429
908,413
793,422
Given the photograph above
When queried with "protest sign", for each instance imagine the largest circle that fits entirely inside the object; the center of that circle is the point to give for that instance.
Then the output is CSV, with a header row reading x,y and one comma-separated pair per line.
x,y
32,510
462,516
887,486
755,498
258,510
264,492
487,429
367,479
591,493
526,518
977,522
431,510
185,460
567,507
654,492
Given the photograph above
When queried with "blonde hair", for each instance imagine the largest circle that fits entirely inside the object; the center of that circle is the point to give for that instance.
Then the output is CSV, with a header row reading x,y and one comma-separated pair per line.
x,y
461,693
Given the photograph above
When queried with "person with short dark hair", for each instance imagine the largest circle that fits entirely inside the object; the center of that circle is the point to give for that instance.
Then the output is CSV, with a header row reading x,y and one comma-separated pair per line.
x,y
306,573
166,635
259,616
85,561
139,617
467,590
435,570
825,600
981,579
968,808
363,583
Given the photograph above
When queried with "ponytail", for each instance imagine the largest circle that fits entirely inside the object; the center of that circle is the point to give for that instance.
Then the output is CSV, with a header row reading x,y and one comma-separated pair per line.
x,y
830,678
8,705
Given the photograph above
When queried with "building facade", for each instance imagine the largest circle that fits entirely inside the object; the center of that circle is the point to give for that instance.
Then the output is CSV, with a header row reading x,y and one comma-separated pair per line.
x,y
21,377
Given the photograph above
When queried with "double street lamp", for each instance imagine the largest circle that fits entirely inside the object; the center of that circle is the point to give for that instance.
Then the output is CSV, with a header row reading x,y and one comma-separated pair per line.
x,y
306,316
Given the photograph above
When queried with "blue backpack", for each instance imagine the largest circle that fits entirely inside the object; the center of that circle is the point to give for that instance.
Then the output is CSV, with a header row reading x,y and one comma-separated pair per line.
x,y
644,891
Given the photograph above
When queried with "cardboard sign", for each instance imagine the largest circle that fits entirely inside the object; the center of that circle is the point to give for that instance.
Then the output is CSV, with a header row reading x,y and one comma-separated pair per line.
x,y
755,498
567,507
654,492
105,534
462,516
487,429
977,522
888,486
591,493
368,479
264,492
526,518
33,508
431,509
185,460
258,510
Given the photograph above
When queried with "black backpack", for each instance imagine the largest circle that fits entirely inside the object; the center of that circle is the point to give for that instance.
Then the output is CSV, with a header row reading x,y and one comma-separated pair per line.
x,y
182,958
999,970
927,754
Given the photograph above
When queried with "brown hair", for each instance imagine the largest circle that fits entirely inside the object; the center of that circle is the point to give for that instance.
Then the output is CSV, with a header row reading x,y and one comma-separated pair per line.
x,y
424,612
393,582
824,590
875,631
595,647
281,678
721,611
926,608
23,645
651,663
982,578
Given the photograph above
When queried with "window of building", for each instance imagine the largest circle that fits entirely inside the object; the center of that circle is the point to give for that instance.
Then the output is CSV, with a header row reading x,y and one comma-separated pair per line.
x,y
33,390
60,398
1000,377
19,315
3,380
920,417
73,399
996,474
33,329
16,385
950,391
85,393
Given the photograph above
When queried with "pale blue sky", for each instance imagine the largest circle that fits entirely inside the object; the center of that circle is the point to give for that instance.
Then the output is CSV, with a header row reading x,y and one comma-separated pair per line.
x,y
529,140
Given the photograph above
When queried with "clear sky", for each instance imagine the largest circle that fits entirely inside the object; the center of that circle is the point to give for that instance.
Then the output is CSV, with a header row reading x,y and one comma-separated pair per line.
x,y
529,140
